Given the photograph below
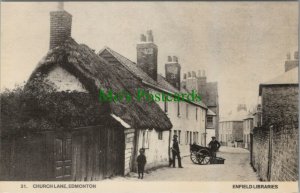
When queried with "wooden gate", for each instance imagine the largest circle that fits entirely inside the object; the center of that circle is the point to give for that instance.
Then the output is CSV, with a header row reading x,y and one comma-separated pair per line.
x,y
97,153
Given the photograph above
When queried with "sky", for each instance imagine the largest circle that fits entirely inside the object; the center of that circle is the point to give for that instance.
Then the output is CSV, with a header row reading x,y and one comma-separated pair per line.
x,y
238,44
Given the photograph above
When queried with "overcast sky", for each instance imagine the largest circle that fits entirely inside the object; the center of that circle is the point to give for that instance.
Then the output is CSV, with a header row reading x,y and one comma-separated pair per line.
x,y
238,44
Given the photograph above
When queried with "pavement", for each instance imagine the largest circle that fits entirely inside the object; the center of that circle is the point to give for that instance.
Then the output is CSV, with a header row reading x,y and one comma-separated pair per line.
x,y
236,168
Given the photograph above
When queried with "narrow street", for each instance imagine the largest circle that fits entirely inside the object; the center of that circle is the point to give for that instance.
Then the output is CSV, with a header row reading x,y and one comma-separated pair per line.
x,y
236,168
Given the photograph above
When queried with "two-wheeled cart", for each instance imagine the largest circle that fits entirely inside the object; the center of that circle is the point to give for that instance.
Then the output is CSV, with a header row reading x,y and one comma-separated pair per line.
x,y
203,155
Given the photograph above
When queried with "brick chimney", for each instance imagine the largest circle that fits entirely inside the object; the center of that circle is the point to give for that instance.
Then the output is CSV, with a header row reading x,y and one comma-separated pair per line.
x,y
172,70
201,80
147,55
60,26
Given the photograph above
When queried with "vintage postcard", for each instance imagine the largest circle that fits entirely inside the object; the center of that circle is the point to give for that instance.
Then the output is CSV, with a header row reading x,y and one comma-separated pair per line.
x,y
149,96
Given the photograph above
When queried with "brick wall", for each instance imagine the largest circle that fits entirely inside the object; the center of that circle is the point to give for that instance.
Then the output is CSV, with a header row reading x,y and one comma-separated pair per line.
x,y
279,103
284,154
275,144
260,152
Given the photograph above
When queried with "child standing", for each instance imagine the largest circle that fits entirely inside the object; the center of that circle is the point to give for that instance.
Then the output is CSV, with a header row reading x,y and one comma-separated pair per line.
x,y
141,160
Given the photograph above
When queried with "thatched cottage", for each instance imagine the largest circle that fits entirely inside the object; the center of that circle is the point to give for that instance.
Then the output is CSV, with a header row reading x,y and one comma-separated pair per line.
x,y
72,136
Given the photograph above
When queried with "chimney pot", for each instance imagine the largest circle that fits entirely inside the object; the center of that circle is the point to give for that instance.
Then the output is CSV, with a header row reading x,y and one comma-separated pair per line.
x,y
288,56
184,76
199,73
193,74
142,38
169,58
175,59
60,6
203,73
149,36
189,74
296,55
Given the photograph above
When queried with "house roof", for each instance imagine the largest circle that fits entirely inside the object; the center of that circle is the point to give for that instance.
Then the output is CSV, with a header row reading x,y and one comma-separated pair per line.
x,y
161,83
96,73
210,112
250,116
288,78
235,116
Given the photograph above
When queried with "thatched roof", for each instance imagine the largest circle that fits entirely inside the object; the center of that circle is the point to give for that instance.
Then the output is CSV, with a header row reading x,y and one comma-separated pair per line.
x,y
161,84
96,73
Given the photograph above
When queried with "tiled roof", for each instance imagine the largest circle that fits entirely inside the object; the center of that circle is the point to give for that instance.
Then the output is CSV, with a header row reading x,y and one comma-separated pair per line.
x,y
288,78
130,65
161,82
210,112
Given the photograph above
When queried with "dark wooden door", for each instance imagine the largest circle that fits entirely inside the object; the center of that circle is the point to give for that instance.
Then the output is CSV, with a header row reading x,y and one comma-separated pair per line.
x,y
111,152
63,156
97,153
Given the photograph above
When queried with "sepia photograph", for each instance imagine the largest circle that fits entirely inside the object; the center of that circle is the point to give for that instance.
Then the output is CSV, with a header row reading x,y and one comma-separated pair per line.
x,y
149,91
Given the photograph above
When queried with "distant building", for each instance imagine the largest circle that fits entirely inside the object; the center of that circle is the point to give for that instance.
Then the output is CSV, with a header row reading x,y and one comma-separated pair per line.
x,y
231,132
275,139
247,127
207,90
291,63
231,127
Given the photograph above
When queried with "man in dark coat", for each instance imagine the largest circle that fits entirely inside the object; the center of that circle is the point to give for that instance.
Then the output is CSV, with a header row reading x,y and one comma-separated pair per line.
x,y
176,152
214,145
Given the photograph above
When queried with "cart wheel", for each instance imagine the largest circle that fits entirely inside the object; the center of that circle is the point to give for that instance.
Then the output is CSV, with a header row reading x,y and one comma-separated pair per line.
x,y
204,157
194,157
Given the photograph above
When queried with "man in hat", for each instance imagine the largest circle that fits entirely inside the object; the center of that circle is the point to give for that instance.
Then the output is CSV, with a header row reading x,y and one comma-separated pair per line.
x,y
176,152
214,145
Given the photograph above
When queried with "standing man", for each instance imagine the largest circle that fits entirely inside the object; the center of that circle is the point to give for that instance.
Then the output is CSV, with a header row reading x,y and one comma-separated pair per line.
x,y
214,145
176,152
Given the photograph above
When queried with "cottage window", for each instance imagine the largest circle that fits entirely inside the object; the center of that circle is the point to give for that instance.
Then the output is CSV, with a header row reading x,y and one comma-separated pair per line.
x,y
194,137
178,109
191,137
179,136
187,138
160,135
145,139
166,106
187,111
209,121
196,113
